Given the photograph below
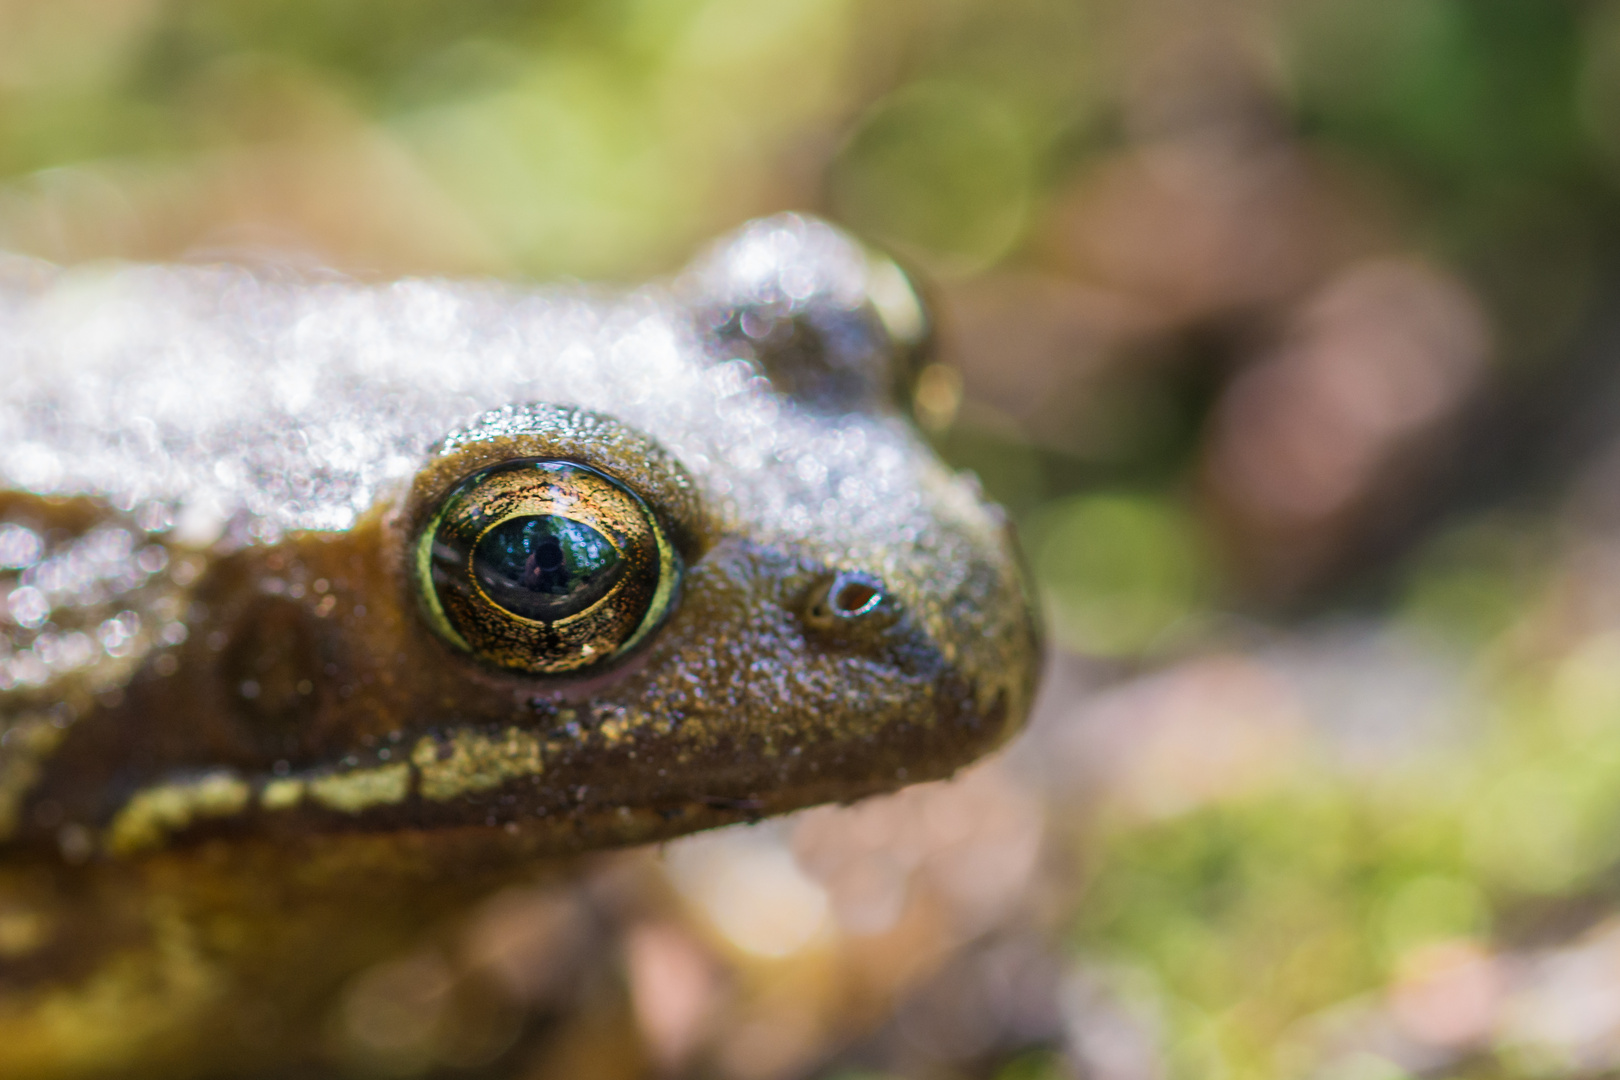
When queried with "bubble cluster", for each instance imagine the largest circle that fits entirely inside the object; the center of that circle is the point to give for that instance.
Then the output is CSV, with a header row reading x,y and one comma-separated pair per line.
x,y
70,603
251,406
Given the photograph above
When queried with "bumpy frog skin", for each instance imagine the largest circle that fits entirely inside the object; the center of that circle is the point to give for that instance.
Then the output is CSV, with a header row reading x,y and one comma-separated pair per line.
x,y
239,761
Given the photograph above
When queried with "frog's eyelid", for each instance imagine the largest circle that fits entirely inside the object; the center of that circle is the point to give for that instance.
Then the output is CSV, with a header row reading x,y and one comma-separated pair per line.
x,y
566,433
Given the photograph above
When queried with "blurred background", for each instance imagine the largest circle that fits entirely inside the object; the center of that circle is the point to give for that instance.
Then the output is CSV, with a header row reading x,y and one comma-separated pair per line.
x,y
1289,332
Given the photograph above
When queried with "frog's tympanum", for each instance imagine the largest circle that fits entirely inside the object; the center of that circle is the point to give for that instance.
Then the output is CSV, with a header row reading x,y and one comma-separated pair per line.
x,y
328,607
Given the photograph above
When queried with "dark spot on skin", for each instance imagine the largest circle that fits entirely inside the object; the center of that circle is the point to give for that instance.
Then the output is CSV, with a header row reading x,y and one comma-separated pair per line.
x,y
48,813
273,660
742,805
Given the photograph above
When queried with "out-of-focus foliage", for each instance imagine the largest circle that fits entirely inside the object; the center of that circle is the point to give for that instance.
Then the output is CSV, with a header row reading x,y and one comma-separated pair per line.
x,y
1286,329
1119,571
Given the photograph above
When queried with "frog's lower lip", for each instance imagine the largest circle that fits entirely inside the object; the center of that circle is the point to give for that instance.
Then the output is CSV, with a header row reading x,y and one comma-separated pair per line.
x,y
586,789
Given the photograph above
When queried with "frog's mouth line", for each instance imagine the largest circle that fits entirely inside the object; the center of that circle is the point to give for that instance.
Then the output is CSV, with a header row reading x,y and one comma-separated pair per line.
x,y
451,779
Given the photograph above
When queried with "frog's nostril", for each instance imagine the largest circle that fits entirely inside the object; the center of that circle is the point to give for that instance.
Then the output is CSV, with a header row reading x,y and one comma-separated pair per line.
x,y
847,599
854,596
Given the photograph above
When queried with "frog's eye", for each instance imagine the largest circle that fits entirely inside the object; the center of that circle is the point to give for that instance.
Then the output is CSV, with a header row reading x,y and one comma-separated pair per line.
x,y
833,326
545,567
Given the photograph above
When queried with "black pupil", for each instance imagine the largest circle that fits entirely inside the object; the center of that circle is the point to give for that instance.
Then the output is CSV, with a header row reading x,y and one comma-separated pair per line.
x,y
545,567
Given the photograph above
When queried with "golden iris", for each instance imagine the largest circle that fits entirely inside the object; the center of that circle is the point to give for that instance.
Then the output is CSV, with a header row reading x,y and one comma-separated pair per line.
x,y
546,567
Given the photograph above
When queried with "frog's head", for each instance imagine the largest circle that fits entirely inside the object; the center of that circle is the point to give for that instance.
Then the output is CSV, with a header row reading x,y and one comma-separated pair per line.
x,y
734,583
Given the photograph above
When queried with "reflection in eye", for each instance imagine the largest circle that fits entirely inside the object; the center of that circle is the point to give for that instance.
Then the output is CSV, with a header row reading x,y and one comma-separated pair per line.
x,y
546,567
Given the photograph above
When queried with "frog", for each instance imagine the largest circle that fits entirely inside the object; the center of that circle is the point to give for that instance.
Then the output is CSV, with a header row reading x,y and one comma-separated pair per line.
x,y
331,606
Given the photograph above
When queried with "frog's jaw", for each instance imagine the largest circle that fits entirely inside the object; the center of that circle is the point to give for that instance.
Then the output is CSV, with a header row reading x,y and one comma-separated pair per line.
x,y
741,708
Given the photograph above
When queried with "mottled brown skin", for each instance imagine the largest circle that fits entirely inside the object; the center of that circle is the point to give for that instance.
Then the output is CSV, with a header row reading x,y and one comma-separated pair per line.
x,y
379,671
213,943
